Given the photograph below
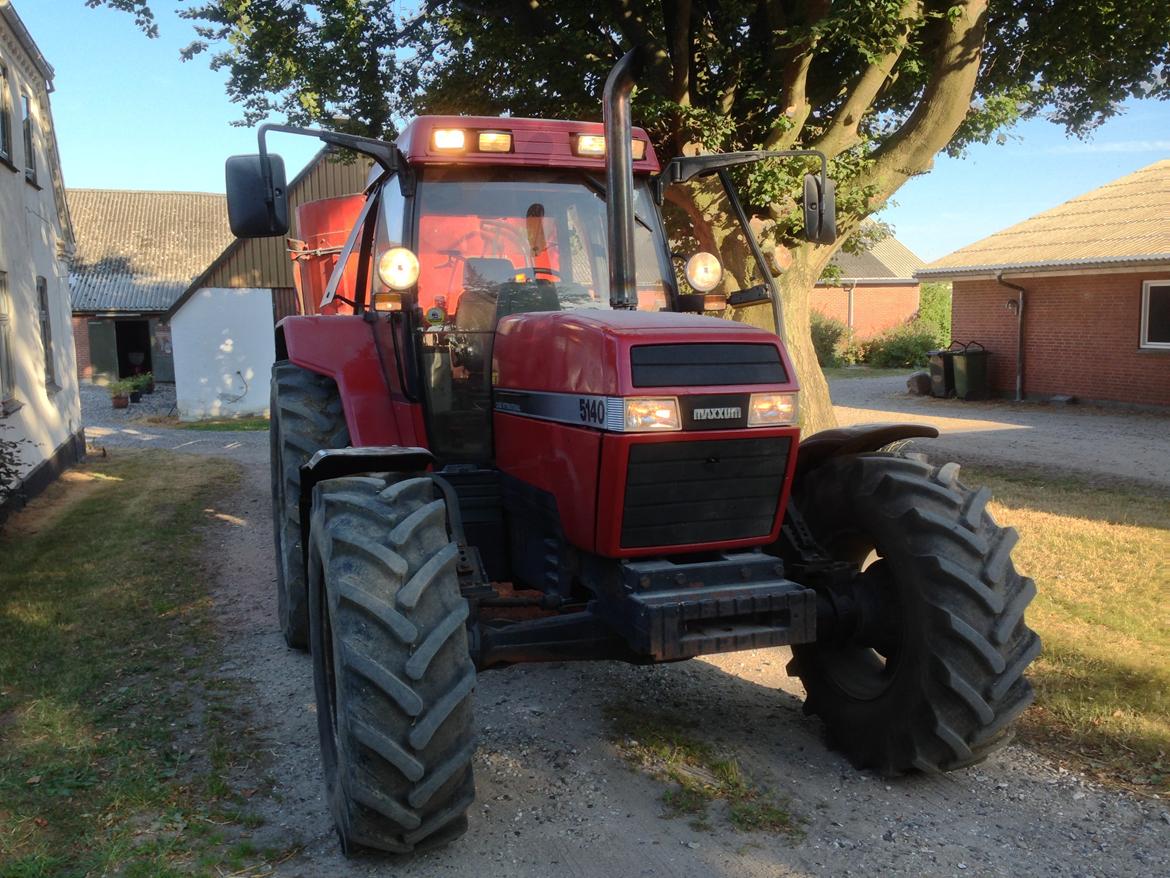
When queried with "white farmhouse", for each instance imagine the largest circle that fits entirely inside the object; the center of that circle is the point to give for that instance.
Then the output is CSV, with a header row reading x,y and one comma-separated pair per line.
x,y
39,404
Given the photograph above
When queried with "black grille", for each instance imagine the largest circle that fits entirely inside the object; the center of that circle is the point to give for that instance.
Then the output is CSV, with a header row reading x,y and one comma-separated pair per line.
x,y
682,493
698,365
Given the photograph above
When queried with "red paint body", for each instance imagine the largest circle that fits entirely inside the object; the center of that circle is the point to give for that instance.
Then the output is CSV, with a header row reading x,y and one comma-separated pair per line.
x,y
588,352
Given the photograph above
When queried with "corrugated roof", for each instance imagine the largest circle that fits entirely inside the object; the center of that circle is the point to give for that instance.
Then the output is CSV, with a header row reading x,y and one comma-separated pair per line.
x,y
888,258
1123,222
138,251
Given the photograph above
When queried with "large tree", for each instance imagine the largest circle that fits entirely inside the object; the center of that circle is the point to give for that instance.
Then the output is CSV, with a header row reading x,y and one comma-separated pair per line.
x,y
880,86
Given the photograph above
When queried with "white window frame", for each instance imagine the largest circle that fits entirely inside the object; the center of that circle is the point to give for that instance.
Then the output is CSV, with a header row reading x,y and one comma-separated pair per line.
x,y
1144,339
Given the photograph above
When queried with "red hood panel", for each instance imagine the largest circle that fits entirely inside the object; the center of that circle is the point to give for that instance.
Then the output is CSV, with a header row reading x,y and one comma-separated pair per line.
x,y
588,351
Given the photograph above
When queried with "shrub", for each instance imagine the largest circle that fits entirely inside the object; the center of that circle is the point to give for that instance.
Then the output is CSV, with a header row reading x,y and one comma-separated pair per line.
x,y
903,346
934,307
829,337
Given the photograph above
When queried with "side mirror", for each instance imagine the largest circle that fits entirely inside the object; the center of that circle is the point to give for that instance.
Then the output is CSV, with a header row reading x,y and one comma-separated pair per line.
x,y
820,210
257,196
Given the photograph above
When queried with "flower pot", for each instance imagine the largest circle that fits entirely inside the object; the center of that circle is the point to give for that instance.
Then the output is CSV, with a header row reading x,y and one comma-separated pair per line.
x,y
136,396
120,402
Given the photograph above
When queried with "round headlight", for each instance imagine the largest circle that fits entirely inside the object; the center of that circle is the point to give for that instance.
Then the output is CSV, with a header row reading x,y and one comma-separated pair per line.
x,y
704,272
398,268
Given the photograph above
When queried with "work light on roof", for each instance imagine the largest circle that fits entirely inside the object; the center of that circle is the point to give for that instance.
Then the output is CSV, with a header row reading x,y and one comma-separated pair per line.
x,y
594,145
449,139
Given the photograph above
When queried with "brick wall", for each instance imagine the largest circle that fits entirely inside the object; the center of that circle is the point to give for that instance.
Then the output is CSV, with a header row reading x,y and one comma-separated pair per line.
x,y
875,308
1081,336
81,343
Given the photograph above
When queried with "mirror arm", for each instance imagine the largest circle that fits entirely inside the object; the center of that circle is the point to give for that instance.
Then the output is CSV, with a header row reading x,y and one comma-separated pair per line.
x,y
683,168
384,153
754,245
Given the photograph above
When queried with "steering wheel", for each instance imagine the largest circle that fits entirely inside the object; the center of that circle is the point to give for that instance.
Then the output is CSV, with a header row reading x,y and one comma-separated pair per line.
x,y
534,270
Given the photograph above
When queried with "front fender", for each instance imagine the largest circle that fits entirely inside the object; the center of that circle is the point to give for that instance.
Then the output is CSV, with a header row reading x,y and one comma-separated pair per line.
x,y
857,439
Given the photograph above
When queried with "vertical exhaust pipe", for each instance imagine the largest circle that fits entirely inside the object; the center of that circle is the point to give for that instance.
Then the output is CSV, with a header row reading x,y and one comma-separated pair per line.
x,y
619,177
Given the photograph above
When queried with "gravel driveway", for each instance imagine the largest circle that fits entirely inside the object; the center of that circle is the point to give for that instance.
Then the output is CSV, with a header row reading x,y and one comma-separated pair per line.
x,y
555,795
1090,440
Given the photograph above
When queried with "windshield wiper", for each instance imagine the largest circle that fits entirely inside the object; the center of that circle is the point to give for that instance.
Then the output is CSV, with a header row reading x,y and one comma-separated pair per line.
x,y
599,190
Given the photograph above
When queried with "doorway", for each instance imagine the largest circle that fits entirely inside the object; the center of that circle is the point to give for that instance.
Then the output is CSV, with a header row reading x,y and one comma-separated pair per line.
x,y
133,343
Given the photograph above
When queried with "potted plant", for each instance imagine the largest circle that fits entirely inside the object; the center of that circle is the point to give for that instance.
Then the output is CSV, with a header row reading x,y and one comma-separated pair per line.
x,y
147,379
119,393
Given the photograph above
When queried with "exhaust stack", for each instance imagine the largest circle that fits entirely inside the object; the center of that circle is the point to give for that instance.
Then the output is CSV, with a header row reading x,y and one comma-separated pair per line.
x,y
619,178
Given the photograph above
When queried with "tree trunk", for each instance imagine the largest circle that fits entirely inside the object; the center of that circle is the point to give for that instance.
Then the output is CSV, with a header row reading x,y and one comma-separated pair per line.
x,y
796,286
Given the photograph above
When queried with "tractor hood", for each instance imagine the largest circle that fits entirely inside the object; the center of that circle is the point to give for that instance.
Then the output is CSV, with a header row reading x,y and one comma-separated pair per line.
x,y
635,353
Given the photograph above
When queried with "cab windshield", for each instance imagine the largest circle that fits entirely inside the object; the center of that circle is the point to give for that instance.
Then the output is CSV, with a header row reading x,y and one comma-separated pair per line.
x,y
527,240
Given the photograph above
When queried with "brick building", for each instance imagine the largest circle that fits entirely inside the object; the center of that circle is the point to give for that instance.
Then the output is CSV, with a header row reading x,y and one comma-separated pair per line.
x,y
874,290
1074,301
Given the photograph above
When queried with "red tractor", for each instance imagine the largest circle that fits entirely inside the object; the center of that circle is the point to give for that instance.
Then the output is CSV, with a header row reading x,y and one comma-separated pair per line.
x,y
507,432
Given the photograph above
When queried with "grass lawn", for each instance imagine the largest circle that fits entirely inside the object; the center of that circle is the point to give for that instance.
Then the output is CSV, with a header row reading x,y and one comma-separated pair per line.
x,y
832,373
1101,560
218,425
120,751
227,425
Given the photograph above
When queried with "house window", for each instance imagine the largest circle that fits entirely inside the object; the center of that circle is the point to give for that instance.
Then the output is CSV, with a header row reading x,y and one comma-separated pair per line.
x,y
5,117
7,379
30,156
46,330
1156,314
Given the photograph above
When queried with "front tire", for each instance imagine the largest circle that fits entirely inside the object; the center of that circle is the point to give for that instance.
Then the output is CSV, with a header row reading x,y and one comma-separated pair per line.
x,y
391,666
942,680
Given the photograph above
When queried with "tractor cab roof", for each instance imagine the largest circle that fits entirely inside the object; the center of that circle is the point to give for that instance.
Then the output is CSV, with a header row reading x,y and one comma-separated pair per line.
x,y
501,141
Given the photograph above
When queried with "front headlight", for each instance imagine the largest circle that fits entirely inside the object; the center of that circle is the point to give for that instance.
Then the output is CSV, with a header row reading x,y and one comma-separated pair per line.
x,y
772,409
651,415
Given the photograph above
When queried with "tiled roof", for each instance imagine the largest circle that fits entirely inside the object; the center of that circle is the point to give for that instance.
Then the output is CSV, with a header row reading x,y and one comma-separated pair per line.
x,y
888,258
138,251
1123,222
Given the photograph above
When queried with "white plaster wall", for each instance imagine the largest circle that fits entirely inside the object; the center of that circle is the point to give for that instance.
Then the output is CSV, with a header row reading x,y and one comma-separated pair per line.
x,y
32,245
224,348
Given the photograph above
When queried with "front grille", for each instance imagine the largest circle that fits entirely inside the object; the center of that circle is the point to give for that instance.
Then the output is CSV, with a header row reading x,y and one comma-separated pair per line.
x,y
684,493
706,365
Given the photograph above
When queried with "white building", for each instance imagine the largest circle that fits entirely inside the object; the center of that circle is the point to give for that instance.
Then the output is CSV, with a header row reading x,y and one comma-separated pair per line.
x,y
39,401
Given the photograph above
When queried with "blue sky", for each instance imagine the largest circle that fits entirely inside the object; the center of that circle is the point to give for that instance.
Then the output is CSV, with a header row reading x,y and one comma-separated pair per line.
x,y
131,115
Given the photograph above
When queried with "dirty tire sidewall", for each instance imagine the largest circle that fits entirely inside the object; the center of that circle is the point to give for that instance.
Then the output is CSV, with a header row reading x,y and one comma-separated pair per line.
x,y
391,665
958,681
306,416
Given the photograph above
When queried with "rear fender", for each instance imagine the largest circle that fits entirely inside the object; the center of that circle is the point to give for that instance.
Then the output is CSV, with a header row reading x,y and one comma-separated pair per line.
x,y
857,439
377,411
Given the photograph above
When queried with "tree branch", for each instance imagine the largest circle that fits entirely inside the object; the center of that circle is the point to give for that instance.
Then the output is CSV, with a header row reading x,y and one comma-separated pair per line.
x,y
842,131
794,77
940,111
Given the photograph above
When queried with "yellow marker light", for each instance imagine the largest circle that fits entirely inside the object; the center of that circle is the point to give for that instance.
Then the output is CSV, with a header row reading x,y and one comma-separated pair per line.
x,y
652,415
638,148
495,141
704,272
387,301
398,268
450,139
772,409
590,144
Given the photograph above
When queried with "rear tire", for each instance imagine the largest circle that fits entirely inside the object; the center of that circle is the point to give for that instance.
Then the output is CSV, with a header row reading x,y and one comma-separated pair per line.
x,y
306,416
945,682
391,666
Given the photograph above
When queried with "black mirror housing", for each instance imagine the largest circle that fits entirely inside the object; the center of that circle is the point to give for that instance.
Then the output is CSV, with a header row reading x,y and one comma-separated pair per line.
x,y
257,196
820,209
